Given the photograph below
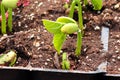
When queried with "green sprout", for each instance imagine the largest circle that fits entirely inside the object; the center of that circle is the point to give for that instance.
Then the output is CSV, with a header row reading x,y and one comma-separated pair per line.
x,y
8,59
3,22
3,25
10,19
76,5
60,28
97,6
65,61
85,2
9,5
64,26
80,22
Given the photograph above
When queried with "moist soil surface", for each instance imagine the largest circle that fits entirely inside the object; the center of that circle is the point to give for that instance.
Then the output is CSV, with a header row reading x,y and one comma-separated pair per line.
x,y
33,43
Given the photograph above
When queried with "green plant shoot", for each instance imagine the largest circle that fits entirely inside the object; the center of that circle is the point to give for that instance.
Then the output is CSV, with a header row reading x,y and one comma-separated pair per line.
x,y
80,22
8,59
76,4
80,19
10,19
85,2
79,43
97,4
9,5
54,28
60,28
72,8
79,9
65,61
3,24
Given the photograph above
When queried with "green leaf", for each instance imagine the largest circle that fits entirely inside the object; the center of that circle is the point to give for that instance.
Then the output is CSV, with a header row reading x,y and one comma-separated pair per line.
x,y
58,41
52,26
97,4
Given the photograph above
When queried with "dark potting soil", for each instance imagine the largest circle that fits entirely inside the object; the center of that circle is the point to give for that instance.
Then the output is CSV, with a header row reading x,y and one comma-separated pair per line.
x,y
34,44
113,57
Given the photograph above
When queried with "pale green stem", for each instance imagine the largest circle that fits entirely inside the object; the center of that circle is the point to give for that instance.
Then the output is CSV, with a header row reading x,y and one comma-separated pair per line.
x,y
65,61
79,43
10,19
85,2
80,19
80,22
80,32
3,22
72,8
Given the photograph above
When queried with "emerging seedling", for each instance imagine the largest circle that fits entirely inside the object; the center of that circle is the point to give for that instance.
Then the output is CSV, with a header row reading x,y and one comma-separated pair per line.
x,y
3,24
8,59
9,5
80,23
76,5
65,61
62,27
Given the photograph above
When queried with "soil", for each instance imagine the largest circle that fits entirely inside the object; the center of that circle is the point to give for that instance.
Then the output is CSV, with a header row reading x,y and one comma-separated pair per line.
x,y
114,52
33,43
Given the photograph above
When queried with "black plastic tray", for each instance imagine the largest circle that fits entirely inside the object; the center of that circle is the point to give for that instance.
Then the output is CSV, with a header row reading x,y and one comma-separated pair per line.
x,y
53,74
112,76
18,73
22,73
8,73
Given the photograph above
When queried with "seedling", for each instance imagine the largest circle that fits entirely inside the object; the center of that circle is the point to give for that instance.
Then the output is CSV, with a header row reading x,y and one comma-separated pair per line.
x,y
9,5
8,59
3,25
80,23
96,3
76,4
60,28
65,61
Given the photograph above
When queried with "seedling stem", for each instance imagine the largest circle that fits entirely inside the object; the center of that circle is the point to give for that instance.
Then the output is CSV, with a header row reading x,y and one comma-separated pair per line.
x,y
10,19
3,26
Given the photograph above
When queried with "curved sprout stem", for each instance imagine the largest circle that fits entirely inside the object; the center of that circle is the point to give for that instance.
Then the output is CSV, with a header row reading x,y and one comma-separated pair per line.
x,y
3,26
72,8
